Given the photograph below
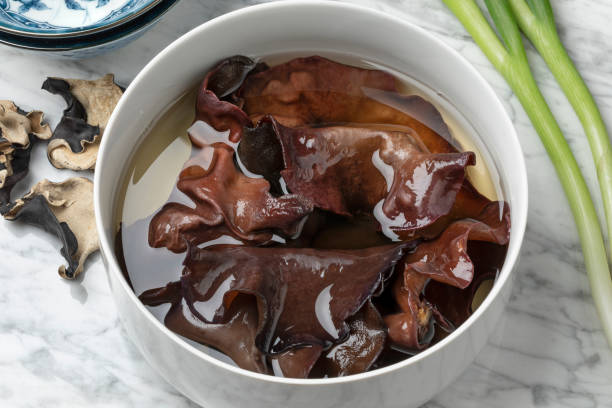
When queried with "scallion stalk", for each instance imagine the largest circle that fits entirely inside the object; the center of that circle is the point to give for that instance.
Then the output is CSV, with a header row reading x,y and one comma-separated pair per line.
x,y
510,59
537,21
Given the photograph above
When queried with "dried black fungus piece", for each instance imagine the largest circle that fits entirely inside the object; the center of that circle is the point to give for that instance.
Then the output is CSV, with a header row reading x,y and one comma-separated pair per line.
x,y
14,166
73,127
36,212
64,209
18,130
75,132
76,138
16,126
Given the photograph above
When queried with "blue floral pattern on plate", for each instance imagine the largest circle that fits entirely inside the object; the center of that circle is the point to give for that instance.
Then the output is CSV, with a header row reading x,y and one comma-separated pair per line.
x,y
67,17
92,44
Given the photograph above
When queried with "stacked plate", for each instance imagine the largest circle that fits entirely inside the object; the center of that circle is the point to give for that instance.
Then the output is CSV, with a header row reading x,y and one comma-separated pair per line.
x,y
77,28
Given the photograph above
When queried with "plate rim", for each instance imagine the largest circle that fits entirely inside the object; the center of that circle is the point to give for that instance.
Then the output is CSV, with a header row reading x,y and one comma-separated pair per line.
x,y
132,27
76,32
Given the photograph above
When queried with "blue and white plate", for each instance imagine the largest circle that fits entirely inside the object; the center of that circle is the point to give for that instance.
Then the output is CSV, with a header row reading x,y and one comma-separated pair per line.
x,y
93,44
68,18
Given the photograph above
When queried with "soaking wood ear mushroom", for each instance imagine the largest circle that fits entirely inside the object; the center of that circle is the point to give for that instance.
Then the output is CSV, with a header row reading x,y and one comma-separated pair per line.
x,y
360,350
234,332
76,138
66,210
336,154
444,260
301,311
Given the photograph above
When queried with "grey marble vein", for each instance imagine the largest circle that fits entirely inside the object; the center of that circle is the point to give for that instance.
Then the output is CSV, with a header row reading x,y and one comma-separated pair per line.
x,y
61,344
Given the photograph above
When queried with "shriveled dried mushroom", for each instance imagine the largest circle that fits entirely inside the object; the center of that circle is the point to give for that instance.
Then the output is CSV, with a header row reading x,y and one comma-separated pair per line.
x,y
76,138
17,130
17,125
66,210
14,165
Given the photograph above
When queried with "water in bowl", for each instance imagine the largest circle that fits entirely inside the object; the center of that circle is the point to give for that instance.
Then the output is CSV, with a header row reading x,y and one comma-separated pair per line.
x,y
151,175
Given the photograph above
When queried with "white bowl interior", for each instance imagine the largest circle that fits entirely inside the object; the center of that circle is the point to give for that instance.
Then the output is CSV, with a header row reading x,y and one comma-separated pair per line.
x,y
309,27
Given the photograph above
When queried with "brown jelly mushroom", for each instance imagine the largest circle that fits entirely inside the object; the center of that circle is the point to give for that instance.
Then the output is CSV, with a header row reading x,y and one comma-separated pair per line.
x,y
296,362
324,288
227,77
76,138
66,210
355,355
176,226
315,90
243,203
333,139
469,203
260,152
444,260
310,79
234,335
348,170
411,328
226,201
219,83
360,350
455,305
342,174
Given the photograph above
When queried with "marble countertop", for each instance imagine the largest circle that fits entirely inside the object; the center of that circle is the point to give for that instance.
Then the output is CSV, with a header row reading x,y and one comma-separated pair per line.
x,y
61,343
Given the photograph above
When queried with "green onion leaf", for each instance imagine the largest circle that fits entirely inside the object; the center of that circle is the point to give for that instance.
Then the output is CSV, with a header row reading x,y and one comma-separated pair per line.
x,y
537,21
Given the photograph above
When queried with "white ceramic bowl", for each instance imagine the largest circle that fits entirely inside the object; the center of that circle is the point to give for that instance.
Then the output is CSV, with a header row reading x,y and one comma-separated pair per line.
x,y
307,27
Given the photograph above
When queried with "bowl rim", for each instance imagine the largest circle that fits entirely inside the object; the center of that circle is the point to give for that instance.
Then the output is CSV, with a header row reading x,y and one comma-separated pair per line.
x,y
518,228
67,32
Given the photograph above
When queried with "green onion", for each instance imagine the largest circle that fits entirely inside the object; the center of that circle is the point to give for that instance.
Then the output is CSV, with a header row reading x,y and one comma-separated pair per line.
x,y
510,60
538,23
